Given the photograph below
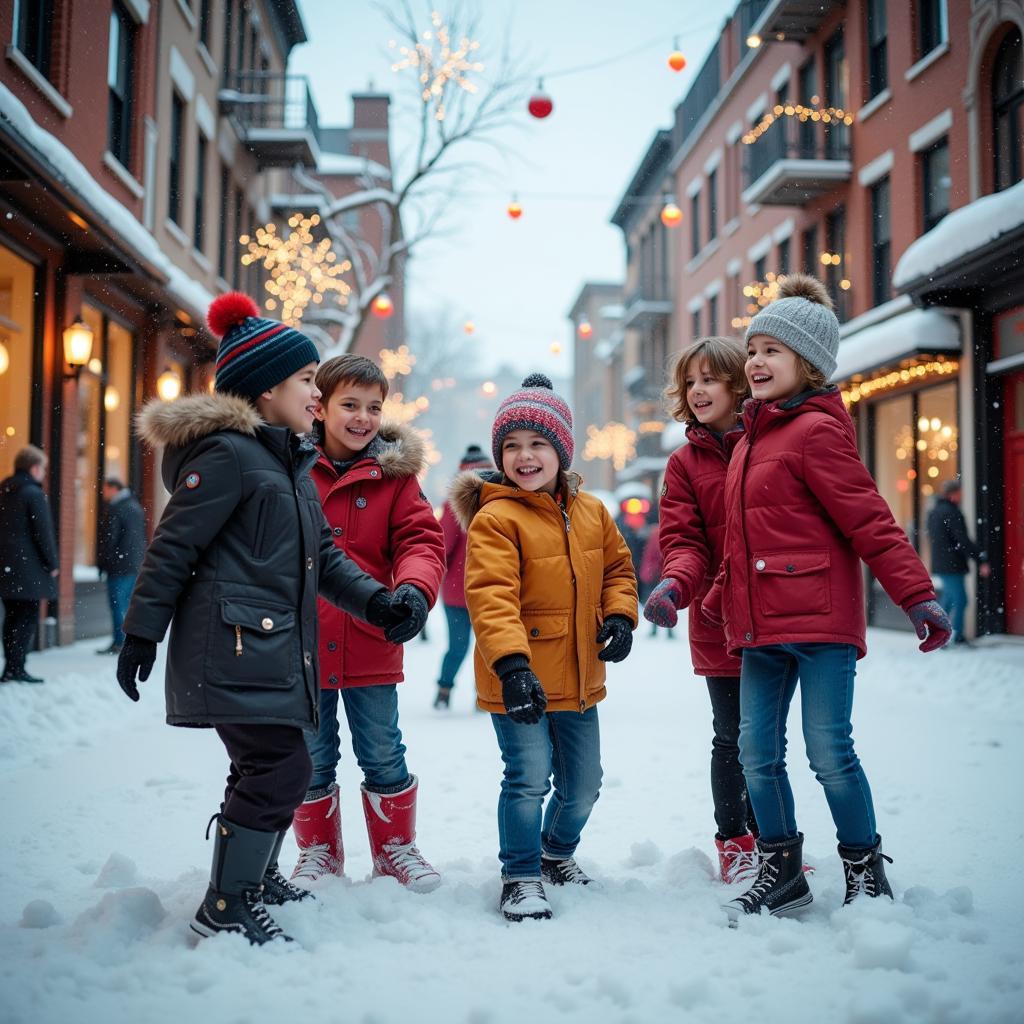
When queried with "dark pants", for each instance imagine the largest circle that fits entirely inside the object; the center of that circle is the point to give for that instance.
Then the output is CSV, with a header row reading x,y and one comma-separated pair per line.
x,y
459,634
733,814
119,593
270,770
20,621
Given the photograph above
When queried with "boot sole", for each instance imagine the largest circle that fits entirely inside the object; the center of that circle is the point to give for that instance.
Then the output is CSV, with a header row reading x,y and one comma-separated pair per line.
x,y
736,914
540,915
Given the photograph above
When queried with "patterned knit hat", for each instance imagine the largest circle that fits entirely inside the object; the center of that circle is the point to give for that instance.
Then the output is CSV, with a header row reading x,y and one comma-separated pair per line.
x,y
254,353
535,407
474,458
802,319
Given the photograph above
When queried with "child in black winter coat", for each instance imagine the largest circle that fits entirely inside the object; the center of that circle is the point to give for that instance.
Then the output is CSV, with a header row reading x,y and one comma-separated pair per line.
x,y
235,566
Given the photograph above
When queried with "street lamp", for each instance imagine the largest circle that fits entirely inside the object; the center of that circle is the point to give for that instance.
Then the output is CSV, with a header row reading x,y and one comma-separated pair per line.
x,y
77,347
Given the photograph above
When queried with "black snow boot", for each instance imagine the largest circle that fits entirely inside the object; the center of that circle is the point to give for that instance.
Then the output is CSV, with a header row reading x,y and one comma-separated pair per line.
x,y
276,888
234,899
564,872
865,871
524,899
780,887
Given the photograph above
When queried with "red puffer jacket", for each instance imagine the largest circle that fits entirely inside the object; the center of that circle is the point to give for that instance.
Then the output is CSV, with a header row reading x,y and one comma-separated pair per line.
x,y
801,513
453,592
379,516
692,535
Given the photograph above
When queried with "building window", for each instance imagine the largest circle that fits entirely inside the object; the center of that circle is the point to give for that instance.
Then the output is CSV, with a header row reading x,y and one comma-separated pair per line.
x,y
877,63
881,243
835,272
695,324
931,25
695,223
18,335
120,66
761,269
712,207
809,254
713,315
229,14
200,193
236,247
205,18
935,182
32,32
1008,110
837,135
175,168
783,261
223,248
809,97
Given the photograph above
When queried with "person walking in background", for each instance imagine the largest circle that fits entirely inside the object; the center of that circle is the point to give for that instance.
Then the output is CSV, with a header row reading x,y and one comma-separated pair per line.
x,y
453,591
951,548
122,544
28,559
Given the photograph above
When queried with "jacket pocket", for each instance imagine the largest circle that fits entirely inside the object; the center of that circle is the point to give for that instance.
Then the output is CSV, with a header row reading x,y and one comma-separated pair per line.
x,y
548,636
257,645
793,583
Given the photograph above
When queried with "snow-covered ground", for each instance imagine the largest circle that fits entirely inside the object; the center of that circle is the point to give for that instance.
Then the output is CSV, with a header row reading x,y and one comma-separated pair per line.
x,y
104,862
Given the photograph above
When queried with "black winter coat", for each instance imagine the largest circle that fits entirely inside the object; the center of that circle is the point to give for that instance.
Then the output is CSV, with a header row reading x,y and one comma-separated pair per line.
x,y
28,547
951,544
122,541
241,551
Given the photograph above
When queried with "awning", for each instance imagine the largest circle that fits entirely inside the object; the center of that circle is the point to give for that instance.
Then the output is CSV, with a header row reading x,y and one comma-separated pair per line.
x,y
900,337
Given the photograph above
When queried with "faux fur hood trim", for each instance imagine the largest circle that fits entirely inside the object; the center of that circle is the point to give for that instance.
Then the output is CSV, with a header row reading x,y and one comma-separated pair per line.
x,y
398,449
176,424
466,489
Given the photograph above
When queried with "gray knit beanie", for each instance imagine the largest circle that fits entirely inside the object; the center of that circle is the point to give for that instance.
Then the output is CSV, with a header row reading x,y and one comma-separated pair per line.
x,y
802,319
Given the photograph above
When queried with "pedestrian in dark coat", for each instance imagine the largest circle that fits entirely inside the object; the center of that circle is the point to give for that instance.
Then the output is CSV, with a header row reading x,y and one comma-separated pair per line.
x,y
235,566
28,559
951,548
122,543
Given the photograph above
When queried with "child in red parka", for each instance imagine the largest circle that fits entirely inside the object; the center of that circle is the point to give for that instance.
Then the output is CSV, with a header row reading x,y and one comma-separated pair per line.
x,y
708,387
367,479
802,512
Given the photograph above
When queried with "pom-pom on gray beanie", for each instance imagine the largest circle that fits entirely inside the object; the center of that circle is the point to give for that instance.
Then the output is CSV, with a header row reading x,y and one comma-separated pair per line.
x,y
802,319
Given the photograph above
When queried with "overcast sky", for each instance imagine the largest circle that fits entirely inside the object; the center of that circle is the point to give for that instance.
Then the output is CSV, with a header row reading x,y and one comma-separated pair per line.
x,y
516,280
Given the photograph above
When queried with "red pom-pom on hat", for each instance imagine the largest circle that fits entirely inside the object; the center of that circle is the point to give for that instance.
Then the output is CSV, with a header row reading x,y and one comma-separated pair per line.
x,y
230,310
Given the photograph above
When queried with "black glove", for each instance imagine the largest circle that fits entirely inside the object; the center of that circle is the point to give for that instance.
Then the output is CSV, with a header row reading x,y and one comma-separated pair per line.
x,y
409,609
521,692
378,609
137,656
619,630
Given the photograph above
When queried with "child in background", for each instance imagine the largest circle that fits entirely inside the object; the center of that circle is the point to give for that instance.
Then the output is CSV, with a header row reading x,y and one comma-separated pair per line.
x,y
802,512
366,476
241,551
708,387
548,581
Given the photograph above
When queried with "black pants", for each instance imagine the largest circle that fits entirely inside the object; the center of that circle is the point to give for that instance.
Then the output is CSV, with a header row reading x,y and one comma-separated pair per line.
x,y
20,621
733,813
269,775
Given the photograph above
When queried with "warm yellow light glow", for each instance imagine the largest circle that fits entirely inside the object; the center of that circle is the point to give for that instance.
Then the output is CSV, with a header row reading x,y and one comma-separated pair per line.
x,y
813,113
396,362
77,344
754,41
111,399
488,387
936,423
915,372
555,348
614,441
168,385
671,215
5,359
10,431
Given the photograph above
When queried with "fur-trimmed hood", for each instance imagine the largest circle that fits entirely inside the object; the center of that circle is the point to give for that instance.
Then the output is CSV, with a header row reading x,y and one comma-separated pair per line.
x,y
398,449
466,492
176,424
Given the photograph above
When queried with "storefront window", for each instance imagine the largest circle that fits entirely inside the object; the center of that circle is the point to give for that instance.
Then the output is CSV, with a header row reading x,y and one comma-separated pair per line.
x,y
895,471
17,317
937,445
117,403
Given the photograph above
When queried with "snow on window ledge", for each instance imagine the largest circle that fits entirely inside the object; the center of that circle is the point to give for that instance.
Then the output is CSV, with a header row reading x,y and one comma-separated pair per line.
x,y
31,72
123,175
874,104
926,61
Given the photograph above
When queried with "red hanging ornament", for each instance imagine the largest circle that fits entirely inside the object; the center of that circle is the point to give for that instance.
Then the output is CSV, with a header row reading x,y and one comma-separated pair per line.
x,y
382,307
676,61
540,104
584,330
514,210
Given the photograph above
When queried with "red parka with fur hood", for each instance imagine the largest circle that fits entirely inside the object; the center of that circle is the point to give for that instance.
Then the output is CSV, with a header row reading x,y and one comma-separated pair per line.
x,y
692,534
802,512
381,519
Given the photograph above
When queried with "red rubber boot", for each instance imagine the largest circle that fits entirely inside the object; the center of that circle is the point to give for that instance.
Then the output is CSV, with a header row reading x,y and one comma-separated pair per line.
x,y
391,824
317,828
737,858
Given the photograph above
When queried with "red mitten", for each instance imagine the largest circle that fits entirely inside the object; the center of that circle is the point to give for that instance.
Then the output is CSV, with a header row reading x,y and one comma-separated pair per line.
x,y
931,624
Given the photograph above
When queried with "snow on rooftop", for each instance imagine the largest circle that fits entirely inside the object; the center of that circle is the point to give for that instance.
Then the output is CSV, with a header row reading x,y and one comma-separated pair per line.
x,y
961,233
348,163
925,330
120,222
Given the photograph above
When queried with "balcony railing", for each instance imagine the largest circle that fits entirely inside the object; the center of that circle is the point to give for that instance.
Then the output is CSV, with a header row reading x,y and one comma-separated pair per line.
x,y
645,304
275,117
794,162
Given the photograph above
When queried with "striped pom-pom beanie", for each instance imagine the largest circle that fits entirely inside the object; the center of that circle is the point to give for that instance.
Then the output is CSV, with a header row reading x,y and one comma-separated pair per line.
x,y
535,406
254,354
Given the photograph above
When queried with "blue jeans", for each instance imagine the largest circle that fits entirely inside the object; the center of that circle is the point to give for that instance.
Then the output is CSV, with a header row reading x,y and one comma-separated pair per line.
x,y
564,744
459,633
767,683
119,593
372,713
953,598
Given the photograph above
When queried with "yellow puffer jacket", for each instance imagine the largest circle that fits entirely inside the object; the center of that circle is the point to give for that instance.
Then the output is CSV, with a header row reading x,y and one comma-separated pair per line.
x,y
540,582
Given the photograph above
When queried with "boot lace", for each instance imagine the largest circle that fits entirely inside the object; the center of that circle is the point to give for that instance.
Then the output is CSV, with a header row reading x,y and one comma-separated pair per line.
x,y
568,871
256,907
407,860
766,876
292,892
861,880
522,891
743,866
314,861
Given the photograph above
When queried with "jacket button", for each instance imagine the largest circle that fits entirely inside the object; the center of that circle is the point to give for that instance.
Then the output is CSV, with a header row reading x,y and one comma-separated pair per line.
x,y
748,636
759,564
332,680
373,473
307,658
331,645
338,531
790,568
535,632
267,623
309,563
360,503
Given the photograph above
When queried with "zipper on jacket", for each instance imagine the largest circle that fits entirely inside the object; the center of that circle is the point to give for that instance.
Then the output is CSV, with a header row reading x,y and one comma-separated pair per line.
x,y
238,641
743,521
